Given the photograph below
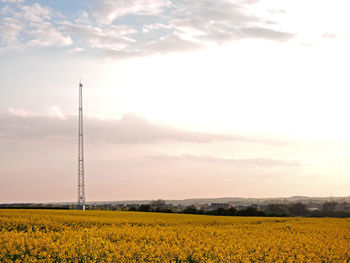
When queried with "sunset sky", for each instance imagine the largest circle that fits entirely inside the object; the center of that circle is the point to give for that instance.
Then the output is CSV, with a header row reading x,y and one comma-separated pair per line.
x,y
182,98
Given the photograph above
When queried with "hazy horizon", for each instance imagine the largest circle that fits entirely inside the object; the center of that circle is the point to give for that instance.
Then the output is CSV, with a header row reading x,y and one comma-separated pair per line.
x,y
188,199
182,99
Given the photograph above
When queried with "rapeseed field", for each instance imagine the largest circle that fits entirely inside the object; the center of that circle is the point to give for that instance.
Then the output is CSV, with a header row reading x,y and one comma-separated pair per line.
x,y
100,236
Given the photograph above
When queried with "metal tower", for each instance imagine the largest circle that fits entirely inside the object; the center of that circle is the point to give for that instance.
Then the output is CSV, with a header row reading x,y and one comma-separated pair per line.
x,y
81,184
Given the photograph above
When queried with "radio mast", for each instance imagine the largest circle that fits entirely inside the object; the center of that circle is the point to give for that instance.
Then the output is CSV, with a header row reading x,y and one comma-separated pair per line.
x,y
81,184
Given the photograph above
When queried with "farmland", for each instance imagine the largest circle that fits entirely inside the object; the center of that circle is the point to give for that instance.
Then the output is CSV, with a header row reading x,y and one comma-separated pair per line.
x,y
72,236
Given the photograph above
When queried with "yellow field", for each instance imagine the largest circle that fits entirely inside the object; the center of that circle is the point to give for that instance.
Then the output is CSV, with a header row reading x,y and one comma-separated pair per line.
x,y
61,236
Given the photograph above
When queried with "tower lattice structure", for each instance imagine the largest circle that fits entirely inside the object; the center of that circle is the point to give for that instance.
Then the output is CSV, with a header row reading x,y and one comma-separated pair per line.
x,y
81,183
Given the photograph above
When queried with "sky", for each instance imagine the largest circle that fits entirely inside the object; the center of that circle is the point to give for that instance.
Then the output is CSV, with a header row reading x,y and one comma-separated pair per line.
x,y
182,98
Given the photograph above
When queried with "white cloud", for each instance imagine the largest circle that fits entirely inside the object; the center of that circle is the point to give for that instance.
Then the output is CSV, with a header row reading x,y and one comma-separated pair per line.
x,y
56,112
48,35
36,13
276,11
111,37
189,33
44,33
329,35
190,25
84,18
31,25
250,163
14,112
107,11
76,50
156,26
131,129
12,1
177,26
171,43
222,21
10,29
266,33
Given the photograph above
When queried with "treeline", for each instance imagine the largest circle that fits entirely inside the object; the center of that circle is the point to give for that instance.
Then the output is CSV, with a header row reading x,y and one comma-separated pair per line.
x,y
248,211
150,208
36,206
328,209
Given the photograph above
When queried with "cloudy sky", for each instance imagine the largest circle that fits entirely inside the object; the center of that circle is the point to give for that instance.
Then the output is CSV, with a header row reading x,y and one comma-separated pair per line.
x,y
182,98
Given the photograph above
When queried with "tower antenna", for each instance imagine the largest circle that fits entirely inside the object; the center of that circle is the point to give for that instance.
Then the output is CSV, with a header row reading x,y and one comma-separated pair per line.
x,y
81,183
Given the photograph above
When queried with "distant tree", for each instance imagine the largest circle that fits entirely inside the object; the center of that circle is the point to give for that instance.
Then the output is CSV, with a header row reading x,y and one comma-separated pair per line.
x,y
163,210
190,210
232,211
277,210
298,209
145,208
250,211
343,206
133,208
220,211
329,206
167,210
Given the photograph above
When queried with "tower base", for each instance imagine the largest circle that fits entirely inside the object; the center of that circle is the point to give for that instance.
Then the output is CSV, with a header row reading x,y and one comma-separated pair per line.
x,y
81,207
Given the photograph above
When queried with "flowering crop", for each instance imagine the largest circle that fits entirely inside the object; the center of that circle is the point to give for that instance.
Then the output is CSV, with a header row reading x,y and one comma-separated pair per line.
x,y
100,236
